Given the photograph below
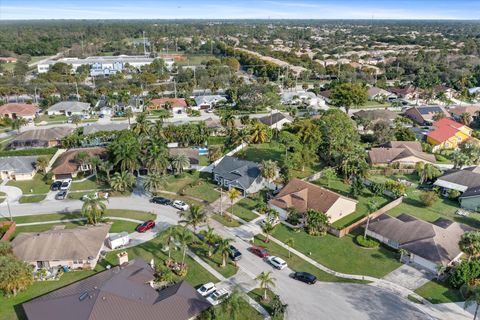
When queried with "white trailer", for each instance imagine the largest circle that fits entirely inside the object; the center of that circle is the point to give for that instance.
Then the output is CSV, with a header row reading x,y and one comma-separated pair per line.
x,y
118,240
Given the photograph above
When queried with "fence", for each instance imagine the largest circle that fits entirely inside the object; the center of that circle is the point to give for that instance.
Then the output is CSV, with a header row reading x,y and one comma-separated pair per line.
x,y
342,232
11,229
390,171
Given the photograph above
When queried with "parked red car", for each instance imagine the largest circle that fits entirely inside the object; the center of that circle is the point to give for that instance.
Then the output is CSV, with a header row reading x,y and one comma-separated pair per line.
x,y
147,225
259,251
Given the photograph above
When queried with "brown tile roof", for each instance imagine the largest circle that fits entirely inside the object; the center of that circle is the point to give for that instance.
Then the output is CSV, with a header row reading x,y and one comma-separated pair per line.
x,y
190,153
436,242
66,163
304,195
398,150
176,102
20,109
65,244
122,293
458,110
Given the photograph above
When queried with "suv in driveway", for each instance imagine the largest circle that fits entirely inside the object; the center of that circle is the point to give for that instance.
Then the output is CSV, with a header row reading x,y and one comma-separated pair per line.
x,y
61,195
65,185
56,185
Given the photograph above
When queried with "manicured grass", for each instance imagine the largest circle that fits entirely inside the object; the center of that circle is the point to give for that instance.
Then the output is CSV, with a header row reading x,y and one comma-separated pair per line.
x,y
437,292
217,140
342,254
373,104
246,312
215,261
243,209
175,183
257,295
32,199
203,161
295,262
35,186
89,184
364,199
203,189
226,222
52,118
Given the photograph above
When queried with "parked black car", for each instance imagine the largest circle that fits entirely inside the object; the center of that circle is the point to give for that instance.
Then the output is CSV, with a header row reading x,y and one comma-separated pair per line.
x,y
61,195
235,255
56,185
161,200
305,277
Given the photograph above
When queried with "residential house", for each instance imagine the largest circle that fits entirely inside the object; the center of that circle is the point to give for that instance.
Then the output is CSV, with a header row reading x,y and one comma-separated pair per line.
x,y
448,134
67,165
442,89
303,195
77,248
135,104
108,133
474,90
19,110
467,182
18,168
216,127
430,245
372,116
40,138
111,127
192,154
457,111
177,105
379,94
243,175
69,108
408,92
405,153
276,120
121,293
208,101
325,95
425,115
305,98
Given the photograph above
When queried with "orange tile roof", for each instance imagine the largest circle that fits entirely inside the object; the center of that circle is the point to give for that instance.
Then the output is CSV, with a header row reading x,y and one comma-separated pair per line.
x,y
176,102
445,129
20,109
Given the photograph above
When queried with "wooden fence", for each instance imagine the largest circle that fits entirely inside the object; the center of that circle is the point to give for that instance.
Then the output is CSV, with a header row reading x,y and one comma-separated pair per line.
x,y
10,230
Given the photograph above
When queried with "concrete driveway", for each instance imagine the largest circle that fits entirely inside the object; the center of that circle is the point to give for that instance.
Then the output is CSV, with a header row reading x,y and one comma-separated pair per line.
x,y
410,276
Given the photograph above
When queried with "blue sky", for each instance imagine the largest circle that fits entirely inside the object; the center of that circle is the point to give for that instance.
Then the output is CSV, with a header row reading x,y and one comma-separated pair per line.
x,y
238,9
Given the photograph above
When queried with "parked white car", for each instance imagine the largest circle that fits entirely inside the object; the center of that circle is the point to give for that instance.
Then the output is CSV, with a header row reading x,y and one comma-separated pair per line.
x,y
66,185
276,262
218,296
180,205
207,289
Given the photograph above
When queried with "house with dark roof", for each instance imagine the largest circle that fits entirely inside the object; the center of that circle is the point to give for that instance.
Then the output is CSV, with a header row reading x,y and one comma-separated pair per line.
x,y
276,120
67,165
467,182
18,168
379,94
430,245
424,115
402,152
457,111
243,175
448,134
303,195
375,115
40,138
124,292
69,108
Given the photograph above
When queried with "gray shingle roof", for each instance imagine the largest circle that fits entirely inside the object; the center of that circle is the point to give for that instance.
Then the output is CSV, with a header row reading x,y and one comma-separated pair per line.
x,y
118,294
24,164
274,118
241,173
70,106
93,128
468,178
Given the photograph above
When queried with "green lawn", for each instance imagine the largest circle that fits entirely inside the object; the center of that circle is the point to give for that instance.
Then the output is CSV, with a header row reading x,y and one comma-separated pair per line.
x,y
215,260
373,104
246,312
37,58
35,186
342,254
364,199
216,140
203,189
257,295
243,208
295,262
89,184
203,161
32,199
437,292
51,118
175,183
226,222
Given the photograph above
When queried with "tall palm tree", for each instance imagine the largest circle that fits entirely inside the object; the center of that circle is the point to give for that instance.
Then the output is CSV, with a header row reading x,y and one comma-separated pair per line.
x,y
76,120
129,115
18,123
126,154
290,243
258,133
193,216
179,162
470,244
93,208
266,280
228,120
42,164
317,222
142,125
106,167
429,172
170,235
95,163
153,182
471,293
372,207
233,194
122,181
16,275
269,169
210,238
185,237
155,156
232,306
267,228
224,249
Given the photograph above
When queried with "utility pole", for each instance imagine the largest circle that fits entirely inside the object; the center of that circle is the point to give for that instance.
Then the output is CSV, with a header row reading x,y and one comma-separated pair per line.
x,y
176,46
76,87
144,45
35,95
175,88
9,211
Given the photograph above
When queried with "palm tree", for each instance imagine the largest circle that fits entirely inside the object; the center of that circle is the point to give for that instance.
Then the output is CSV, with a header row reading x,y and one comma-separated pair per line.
x,y
95,163
193,216
16,275
233,304
471,293
142,126
18,123
259,133
266,280
76,120
466,118
106,167
42,164
267,228
233,194
122,181
185,237
403,252
180,162
316,222
128,114
429,172
155,154
289,242
372,207
170,235
224,249
470,244
228,120
269,169
93,208
245,120
153,182
210,238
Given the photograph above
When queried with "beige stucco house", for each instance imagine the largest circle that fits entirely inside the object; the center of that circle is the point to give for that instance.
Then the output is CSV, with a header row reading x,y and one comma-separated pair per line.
x,y
18,168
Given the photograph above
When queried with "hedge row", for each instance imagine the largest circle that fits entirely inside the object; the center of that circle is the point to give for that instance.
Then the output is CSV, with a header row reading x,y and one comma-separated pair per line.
x,y
28,152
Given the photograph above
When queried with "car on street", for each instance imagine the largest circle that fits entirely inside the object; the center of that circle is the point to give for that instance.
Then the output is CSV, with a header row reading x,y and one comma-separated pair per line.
x,y
304,277
259,251
147,225
65,185
56,185
276,262
61,195
207,289
218,296
180,205
161,200
235,254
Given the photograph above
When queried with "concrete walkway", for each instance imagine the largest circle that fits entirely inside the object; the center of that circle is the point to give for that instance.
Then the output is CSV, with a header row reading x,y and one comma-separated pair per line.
x,y
13,193
74,220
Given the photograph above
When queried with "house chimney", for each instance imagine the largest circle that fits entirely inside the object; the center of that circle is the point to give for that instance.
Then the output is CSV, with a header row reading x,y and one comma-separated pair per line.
x,y
122,258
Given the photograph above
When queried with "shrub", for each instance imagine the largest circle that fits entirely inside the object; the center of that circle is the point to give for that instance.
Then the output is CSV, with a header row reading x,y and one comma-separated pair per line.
x,y
367,243
294,217
428,198
397,188
29,152
440,158
377,188
453,194
464,272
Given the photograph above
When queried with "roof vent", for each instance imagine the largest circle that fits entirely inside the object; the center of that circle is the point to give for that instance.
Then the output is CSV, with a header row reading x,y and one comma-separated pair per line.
x,y
83,296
